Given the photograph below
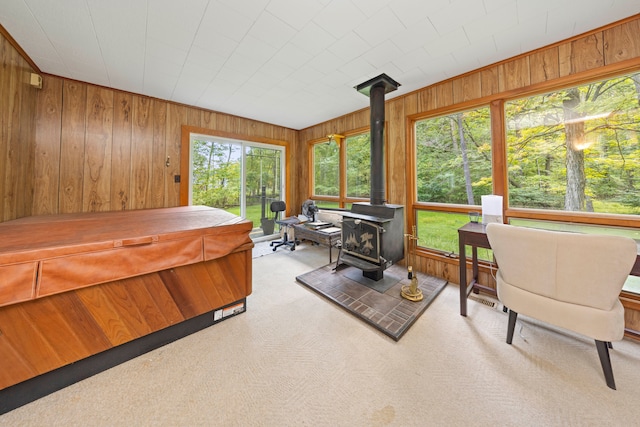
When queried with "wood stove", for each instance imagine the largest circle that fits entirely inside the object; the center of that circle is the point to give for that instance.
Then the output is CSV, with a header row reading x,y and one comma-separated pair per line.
x,y
373,233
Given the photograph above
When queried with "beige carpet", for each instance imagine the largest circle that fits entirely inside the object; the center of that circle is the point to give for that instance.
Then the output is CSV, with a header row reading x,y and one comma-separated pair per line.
x,y
289,361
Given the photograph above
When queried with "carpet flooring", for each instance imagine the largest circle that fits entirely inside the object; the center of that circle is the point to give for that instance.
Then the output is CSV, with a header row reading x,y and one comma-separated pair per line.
x,y
378,304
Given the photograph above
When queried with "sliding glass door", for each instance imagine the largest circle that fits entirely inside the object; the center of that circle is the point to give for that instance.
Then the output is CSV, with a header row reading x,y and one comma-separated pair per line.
x,y
240,177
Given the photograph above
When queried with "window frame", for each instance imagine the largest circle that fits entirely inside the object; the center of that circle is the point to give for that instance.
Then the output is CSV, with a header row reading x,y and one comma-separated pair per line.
x,y
342,199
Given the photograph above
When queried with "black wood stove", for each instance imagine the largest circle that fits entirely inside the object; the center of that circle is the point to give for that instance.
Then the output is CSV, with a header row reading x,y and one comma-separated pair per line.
x,y
373,233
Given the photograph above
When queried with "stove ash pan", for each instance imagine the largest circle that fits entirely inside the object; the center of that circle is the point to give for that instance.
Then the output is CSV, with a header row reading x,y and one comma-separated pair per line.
x,y
372,236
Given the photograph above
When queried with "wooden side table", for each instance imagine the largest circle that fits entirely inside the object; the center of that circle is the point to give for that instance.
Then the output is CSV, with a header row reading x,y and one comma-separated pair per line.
x,y
474,235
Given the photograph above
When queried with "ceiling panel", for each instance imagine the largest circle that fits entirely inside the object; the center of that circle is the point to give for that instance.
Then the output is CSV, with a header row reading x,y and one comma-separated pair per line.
x,y
287,62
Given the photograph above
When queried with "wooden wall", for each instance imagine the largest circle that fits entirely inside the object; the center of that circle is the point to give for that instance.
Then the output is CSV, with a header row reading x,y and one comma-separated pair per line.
x,y
603,52
99,149
17,133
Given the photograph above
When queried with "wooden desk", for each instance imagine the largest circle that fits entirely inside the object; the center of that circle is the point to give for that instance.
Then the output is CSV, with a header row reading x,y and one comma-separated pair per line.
x,y
474,235
317,236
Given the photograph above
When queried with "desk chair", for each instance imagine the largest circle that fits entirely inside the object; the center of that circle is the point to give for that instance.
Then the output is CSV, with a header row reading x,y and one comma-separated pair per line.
x,y
570,280
277,208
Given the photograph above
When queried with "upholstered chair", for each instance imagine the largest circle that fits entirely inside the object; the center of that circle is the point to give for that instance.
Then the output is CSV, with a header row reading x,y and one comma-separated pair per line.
x,y
570,280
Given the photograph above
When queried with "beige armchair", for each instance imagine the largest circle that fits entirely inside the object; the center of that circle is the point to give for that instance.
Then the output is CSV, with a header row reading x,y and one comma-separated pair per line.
x,y
569,280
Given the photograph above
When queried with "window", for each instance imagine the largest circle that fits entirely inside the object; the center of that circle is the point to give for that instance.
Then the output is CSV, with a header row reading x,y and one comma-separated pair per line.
x,y
453,153
453,167
238,176
341,170
358,154
576,149
326,169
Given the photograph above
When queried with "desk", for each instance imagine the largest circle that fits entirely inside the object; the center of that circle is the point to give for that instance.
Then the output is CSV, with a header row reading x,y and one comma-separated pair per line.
x,y
474,235
317,236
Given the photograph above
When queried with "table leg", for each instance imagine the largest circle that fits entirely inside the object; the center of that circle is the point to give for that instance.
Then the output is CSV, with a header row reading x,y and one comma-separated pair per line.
x,y
463,277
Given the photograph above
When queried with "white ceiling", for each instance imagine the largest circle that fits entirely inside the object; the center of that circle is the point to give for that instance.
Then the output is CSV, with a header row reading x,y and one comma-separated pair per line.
x,y
292,63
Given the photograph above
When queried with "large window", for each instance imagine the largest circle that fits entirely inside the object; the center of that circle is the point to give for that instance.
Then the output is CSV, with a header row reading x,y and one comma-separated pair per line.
x,y
453,157
453,167
326,168
341,170
576,149
358,156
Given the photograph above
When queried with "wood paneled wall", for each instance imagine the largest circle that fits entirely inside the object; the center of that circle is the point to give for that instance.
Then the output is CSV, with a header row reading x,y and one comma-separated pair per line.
x,y
99,149
17,133
600,53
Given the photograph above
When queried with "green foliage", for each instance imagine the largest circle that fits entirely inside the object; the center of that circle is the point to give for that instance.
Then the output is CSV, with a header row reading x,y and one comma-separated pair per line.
x,y
442,145
358,165
602,121
217,176
326,162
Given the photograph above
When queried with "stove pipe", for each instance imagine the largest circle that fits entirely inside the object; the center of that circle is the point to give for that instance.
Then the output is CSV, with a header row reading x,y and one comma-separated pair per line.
x,y
376,88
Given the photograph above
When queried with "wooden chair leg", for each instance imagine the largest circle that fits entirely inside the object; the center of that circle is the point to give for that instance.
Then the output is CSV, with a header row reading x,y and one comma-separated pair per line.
x,y
511,326
605,361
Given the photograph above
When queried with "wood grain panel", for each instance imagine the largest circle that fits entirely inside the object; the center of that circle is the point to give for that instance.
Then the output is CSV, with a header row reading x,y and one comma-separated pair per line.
x,y
121,151
145,303
127,311
20,370
98,148
467,88
544,65
490,81
396,149
17,137
97,302
67,346
27,340
225,278
84,324
427,99
47,152
159,155
162,298
190,299
176,117
622,42
72,145
582,54
41,335
5,84
444,94
141,153
514,74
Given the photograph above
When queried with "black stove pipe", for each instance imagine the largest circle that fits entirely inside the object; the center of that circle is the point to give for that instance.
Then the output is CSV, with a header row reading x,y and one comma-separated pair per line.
x,y
376,100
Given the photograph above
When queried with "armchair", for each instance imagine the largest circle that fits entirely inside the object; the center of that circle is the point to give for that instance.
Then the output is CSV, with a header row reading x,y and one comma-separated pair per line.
x,y
569,280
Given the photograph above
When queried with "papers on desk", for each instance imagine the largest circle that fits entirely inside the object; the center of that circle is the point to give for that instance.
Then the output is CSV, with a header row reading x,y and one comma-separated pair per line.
x,y
317,225
330,230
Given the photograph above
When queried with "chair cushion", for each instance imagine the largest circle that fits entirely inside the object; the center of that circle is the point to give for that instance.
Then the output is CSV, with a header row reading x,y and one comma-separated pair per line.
x,y
603,325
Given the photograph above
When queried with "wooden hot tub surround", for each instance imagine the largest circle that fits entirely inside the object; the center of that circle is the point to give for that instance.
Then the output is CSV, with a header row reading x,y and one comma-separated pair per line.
x,y
99,288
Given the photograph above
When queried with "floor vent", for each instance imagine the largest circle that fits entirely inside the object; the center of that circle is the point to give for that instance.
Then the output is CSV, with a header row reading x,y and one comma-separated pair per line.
x,y
486,302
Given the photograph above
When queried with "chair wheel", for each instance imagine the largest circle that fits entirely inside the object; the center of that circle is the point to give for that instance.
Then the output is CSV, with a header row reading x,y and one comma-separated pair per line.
x,y
274,249
293,248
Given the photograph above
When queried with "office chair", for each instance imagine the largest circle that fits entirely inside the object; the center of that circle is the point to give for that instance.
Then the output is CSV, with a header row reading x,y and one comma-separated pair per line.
x,y
277,208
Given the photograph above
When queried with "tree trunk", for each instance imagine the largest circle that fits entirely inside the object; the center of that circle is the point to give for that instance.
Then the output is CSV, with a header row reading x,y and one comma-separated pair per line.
x,y
465,161
574,199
